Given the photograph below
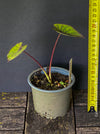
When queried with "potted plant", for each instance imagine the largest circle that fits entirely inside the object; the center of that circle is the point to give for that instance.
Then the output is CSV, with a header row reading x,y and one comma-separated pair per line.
x,y
51,87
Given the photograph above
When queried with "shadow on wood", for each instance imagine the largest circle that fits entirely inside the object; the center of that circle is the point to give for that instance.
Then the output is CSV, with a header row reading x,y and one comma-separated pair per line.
x,y
40,125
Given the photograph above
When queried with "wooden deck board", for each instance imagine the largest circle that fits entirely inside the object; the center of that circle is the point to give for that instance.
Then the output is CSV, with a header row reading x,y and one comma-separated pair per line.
x,y
12,112
85,119
88,130
12,116
37,125
11,132
80,97
13,99
12,119
86,123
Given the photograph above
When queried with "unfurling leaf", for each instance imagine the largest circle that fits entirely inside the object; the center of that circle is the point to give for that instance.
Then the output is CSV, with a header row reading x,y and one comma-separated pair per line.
x,y
66,30
16,51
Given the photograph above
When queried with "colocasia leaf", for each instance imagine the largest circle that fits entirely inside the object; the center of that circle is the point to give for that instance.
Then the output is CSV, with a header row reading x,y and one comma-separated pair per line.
x,y
16,51
66,30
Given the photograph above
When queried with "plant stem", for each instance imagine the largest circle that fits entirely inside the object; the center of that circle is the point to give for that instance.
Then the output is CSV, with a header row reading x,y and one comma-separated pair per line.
x,y
39,66
53,54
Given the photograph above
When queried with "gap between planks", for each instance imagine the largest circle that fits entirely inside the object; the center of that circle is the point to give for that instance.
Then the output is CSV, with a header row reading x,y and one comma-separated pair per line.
x,y
12,112
86,123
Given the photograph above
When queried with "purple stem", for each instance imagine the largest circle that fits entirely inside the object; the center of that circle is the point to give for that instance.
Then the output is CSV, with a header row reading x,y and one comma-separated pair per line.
x,y
39,66
34,60
53,54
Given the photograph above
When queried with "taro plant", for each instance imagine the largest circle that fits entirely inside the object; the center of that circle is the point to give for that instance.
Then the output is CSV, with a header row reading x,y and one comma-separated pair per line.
x,y
62,29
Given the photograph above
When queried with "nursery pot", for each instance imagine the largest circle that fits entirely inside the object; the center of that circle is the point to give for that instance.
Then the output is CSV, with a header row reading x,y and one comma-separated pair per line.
x,y
52,103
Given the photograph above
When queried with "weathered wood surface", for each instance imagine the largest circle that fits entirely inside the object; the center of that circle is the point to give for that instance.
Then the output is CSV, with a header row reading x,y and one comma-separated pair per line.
x,y
37,125
12,112
11,132
85,119
88,130
12,116
13,99
86,123
12,119
80,97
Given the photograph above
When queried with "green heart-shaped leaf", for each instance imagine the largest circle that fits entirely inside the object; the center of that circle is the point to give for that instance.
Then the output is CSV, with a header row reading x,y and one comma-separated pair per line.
x,y
66,30
16,51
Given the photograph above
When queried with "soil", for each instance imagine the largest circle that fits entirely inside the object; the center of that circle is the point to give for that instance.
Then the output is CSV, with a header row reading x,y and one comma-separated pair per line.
x,y
59,81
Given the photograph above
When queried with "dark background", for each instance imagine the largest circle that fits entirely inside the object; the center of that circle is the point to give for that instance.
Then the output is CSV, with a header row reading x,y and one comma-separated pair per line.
x,y
31,22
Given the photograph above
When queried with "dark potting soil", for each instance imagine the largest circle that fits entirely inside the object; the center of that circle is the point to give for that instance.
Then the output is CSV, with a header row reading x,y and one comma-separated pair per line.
x,y
58,81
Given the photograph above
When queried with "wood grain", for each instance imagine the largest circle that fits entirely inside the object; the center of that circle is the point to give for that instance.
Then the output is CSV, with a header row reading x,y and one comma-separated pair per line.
x,y
12,119
85,119
11,132
39,125
80,97
86,123
13,99
88,130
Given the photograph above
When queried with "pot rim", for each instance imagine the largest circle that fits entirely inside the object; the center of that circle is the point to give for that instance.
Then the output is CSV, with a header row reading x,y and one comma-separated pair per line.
x,y
51,91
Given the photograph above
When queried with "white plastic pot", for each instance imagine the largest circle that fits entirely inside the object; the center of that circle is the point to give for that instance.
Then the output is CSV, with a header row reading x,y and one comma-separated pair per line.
x,y
52,103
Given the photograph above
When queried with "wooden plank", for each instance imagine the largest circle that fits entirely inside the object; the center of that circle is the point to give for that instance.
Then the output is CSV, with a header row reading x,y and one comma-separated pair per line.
x,y
80,97
88,130
39,125
85,119
11,132
12,119
86,123
13,99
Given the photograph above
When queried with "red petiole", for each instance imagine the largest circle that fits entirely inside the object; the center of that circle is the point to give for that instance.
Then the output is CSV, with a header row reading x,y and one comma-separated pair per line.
x,y
52,54
39,66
